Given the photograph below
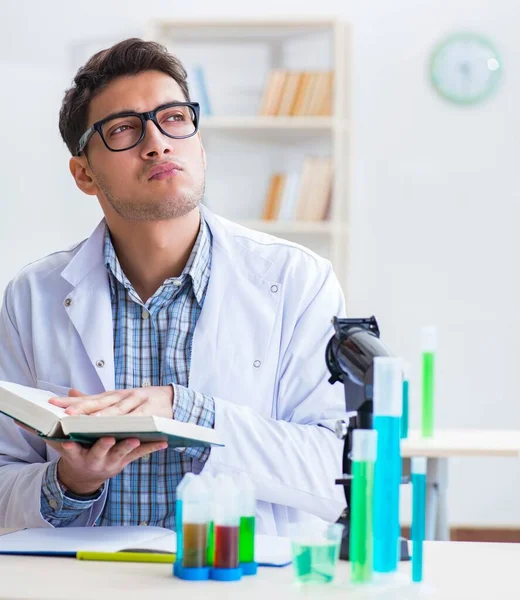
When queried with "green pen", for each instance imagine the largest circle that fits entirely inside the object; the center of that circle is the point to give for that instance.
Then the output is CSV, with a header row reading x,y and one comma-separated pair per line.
x,y
428,349
151,556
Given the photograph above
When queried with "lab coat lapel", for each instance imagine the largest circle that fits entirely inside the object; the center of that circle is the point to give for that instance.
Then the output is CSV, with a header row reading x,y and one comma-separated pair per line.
x,y
89,305
234,330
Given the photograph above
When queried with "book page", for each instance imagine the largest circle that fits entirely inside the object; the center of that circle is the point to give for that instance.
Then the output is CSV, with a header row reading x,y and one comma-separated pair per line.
x,y
35,396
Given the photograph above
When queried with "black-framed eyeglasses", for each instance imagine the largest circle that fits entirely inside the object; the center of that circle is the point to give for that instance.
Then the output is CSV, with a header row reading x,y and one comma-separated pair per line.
x,y
122,131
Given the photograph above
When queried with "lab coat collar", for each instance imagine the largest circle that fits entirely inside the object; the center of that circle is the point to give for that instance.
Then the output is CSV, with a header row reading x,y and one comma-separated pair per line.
x,y
90,254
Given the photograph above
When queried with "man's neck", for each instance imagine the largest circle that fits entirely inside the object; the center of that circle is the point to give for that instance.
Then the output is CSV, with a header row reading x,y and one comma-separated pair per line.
x,y
151,252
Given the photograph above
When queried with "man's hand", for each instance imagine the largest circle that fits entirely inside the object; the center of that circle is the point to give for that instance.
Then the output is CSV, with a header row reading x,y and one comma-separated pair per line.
x,y
84,470
148,401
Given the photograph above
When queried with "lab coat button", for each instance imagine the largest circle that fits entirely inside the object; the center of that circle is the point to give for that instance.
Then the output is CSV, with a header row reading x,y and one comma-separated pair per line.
x,y
256,364
68,302
274,289
100,363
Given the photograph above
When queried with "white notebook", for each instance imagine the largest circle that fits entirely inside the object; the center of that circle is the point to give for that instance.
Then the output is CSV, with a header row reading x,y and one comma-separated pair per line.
x,y
67,541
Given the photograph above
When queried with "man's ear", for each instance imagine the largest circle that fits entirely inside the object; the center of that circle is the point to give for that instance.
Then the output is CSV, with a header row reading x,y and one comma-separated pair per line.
x,y
82,174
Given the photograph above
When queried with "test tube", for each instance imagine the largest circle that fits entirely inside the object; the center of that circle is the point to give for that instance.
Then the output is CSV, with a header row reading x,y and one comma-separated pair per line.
x,y
406,402
388,392
195,518
364,449
429,348
247,525
227,524
178,514
209,480
418,515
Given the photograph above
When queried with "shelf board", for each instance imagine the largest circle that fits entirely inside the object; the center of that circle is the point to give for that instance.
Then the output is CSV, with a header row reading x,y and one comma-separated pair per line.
x,y
288,227
253,30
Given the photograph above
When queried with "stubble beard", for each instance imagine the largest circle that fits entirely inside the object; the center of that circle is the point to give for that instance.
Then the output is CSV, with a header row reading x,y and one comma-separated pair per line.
x,y
172,207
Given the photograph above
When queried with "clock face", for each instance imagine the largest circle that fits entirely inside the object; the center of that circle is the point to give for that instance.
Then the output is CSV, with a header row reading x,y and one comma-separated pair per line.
x,y
465,68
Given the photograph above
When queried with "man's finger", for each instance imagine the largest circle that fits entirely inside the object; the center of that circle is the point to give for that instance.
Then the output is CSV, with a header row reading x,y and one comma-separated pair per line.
x,y
121,449
65,401
93,404
98,452
124,407
146,448
72,450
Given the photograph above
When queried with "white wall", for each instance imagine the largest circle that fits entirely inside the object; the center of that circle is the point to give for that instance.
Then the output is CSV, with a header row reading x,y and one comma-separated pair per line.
x,y
436,192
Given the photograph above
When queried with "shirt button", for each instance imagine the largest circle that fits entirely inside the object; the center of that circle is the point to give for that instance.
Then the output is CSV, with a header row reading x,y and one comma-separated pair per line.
x,y
68,302
177,283
145,314
146,457
100,363
256,364
143,524
274,289
145,383
53,504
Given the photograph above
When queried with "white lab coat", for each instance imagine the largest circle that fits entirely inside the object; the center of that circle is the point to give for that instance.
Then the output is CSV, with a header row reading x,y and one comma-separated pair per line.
x,y
258,349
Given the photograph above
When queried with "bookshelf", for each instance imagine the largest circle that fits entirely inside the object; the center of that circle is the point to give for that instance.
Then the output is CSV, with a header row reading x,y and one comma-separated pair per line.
x,y
245,149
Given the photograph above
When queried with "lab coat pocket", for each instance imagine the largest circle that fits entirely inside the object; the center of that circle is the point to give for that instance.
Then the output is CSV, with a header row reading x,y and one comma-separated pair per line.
x,y
59,390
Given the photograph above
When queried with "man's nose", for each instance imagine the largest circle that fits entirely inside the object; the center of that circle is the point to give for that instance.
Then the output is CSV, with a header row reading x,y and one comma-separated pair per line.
x,y
155,143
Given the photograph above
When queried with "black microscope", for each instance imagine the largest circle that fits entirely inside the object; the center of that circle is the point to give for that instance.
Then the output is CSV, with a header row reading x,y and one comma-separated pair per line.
x,y
350,359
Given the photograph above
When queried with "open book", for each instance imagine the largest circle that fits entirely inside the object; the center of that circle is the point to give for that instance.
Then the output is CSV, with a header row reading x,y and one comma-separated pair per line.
x,y
31,407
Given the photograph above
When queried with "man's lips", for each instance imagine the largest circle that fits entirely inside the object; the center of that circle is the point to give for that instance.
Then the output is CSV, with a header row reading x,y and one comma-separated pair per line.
x,y
163,171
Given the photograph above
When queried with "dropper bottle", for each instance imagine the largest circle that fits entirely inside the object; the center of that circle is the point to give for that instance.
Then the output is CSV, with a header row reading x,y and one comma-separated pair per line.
x,y
227,524
195,519
178,516
247,525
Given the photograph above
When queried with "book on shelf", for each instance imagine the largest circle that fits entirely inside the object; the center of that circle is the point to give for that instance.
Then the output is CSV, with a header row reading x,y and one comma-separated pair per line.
x,y
31,407
198,89
303,195
274,196
298,93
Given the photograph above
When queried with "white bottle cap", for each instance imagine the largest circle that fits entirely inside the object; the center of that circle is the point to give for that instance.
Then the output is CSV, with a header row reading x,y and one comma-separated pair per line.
x,y
388,386
195,501
406,370
247,495
226,508
419,465
364,445
183,483
429,338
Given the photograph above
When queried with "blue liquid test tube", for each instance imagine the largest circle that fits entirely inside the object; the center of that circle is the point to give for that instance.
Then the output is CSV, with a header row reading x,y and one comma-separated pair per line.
x,y
388,396
406,402
418,516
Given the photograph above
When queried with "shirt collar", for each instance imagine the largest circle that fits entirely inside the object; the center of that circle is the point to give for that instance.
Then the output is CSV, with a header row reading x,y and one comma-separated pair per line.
x,y
197,269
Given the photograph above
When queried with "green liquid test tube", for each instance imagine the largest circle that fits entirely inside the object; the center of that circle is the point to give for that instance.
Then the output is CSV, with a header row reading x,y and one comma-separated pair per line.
x,y
406,402
364,451
247,539
429,347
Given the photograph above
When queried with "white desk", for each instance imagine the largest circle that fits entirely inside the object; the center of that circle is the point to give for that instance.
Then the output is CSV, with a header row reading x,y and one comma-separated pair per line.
x,y
449,443
452,570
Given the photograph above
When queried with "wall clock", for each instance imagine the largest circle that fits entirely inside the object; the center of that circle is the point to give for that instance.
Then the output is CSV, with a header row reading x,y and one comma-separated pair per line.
x,y
465,68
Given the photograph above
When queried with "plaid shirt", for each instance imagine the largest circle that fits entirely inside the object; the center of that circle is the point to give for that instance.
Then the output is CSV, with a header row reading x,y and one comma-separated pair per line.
x,y
152,346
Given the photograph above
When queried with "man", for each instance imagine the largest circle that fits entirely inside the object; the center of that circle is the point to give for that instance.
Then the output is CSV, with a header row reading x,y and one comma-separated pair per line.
x,y
166,310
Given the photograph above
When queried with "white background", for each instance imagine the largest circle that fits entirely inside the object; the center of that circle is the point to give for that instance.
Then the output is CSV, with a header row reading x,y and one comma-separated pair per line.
x,y
436,191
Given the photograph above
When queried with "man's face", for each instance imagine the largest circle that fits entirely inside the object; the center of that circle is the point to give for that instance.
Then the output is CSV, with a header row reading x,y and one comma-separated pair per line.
x,y
123,181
